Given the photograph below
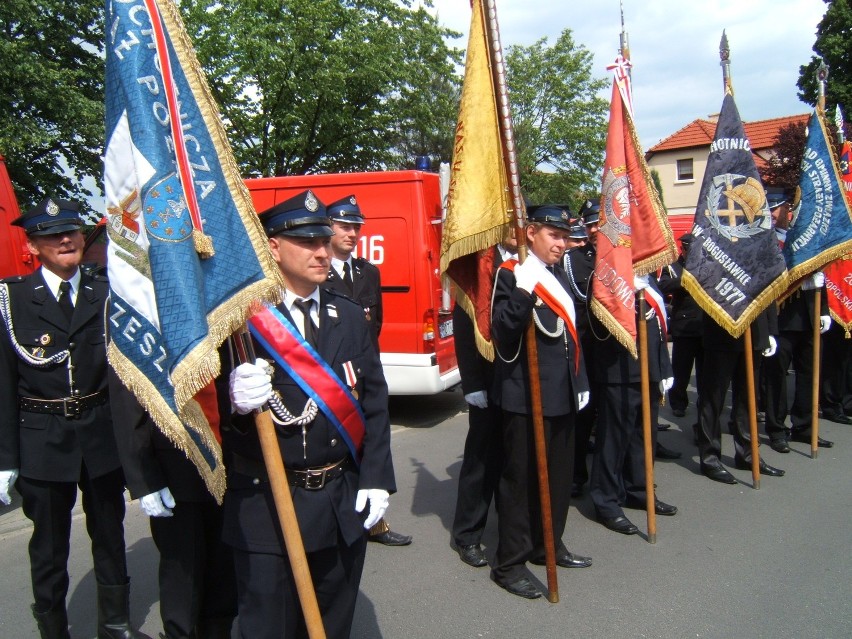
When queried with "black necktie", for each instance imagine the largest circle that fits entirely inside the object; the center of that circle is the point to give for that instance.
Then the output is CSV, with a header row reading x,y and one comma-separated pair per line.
x,y
310,332
551,269
65,299
347,276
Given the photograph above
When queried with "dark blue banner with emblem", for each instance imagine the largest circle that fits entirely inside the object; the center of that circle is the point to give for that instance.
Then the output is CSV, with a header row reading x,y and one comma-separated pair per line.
x,y
734,268
821,228
187,255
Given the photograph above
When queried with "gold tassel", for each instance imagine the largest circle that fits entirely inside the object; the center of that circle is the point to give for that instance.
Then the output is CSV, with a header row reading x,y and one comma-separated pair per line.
x,y
203,244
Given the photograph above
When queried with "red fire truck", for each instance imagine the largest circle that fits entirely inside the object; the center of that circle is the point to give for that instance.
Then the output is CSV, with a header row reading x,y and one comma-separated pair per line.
x,y
15,257
402,236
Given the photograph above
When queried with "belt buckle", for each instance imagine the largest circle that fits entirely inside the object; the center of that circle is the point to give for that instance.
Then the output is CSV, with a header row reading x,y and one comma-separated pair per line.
x,y
314,479
71,407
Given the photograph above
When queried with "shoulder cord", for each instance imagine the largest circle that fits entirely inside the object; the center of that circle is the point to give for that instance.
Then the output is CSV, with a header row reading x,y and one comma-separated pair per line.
x,y
32,360
560,329
283,417
520,341
574,288
560,326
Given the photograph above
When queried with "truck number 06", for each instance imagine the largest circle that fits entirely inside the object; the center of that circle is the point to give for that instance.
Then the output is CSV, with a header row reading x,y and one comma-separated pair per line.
x,y
371,249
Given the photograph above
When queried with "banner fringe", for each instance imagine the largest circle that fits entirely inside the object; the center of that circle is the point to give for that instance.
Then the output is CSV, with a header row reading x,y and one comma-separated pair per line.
x,y
615,328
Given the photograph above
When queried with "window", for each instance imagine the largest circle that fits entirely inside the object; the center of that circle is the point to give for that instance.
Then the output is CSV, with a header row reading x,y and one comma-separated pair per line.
x,y
684,170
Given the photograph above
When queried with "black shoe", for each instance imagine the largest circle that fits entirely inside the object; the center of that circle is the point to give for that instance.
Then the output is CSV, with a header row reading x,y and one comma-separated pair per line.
x,y
660,507
802,438
523,587
662,427
390,538
718,473
567,560
838,419
765,469
679,412
472,555
666,453
779,445
619,524
761,417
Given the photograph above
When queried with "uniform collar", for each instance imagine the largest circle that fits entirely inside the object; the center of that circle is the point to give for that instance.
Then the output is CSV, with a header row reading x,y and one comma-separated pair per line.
x,y
337,265
53,281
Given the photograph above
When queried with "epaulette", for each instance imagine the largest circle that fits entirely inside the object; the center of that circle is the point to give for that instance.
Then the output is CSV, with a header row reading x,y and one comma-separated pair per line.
x,y
12,280
337,293
95,271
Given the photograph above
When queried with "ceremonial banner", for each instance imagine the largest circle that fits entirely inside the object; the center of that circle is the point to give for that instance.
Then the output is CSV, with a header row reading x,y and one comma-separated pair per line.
x,y
838,286
734,268
821,228
478,210
634,235
187,255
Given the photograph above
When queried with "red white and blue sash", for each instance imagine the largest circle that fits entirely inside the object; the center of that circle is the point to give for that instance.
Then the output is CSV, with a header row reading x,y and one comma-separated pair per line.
x,y
283,341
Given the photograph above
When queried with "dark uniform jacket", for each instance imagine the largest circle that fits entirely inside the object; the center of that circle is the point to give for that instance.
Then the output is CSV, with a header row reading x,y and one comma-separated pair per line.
x,y
560,384
366,291
796,313
579,264
613,364
150,460
762,327
685,319
52,447
250,521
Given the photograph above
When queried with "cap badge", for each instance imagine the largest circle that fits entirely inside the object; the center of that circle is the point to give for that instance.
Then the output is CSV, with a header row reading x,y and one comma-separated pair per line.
x,y
45,339
352,201
52,208
564,215
311,202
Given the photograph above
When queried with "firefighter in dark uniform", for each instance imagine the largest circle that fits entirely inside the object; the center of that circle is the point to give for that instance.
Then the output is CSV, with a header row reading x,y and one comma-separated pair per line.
x,y
198,592
55,427
579,264
359,280
480,469
536,291
330,489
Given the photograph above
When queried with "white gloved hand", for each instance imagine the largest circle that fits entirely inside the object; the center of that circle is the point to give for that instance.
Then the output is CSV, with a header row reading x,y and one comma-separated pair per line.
x,y
582,400
640,282
7,480
251,386
158,504
824,323
815,281
666,384
378,505
477,398
773,346
527,275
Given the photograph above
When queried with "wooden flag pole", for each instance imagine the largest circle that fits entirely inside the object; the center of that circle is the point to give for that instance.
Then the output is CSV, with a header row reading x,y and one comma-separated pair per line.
x,y
283,502
492,31
645,385
752,410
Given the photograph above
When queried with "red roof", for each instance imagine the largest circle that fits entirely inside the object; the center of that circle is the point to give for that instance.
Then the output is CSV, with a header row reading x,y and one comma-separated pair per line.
x,y
761,133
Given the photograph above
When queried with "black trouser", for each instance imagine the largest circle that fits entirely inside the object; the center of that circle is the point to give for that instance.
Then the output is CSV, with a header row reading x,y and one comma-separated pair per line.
x,y
721,369
618,467
48,505
796,347
836,377
519,507
479,474
196,569
269,603
686,351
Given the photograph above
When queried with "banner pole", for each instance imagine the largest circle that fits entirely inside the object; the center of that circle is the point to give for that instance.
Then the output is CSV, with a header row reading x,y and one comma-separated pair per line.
x,y
645,385
752,409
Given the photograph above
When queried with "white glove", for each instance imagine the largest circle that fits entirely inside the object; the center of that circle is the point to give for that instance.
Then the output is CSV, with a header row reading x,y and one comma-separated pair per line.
x,y
773,346
582,400
781,235
527,275
378,505
666,384
7,480
640,282
650,313
824,323
251,386
478,399
158,504
815,281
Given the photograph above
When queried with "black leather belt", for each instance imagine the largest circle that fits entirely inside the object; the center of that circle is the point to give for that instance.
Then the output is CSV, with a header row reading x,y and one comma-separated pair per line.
x,y
309,478
70,407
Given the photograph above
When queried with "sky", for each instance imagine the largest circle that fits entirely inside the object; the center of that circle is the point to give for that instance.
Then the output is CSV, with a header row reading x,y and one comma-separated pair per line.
x,y
674,48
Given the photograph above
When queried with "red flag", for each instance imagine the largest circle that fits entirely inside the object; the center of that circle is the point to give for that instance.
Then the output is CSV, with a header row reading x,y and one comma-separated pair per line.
x,y
838,274
634,235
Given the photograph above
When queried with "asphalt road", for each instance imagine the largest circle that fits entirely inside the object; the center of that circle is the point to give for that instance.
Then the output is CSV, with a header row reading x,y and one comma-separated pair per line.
x,y
735,562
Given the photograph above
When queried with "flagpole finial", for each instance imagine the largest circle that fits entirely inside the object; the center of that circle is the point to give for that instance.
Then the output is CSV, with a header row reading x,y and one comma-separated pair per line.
x,y
822,79
725,63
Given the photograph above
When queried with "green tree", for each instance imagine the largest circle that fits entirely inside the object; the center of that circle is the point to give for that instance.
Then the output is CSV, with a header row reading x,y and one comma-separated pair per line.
x,y
560,120
51,97
658,184
784,168
309,86
833,45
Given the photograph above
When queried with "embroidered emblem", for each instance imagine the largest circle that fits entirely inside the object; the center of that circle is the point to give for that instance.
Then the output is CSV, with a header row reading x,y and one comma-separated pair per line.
x,y
332,310
52,208
38,351
352,201
311,202
45,340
